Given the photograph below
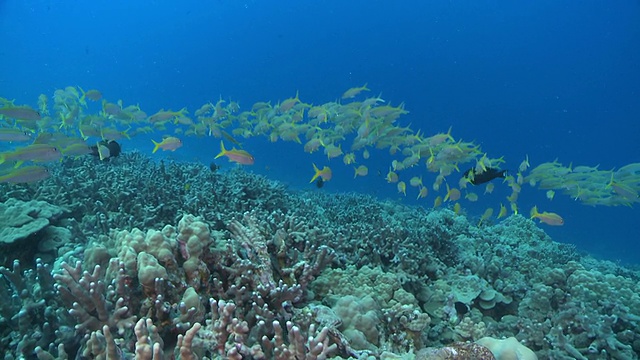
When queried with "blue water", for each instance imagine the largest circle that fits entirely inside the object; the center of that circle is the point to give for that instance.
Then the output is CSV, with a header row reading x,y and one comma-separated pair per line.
x,y
551,79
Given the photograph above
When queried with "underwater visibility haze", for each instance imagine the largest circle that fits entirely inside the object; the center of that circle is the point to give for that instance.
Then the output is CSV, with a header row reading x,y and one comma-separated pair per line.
x,y
299,179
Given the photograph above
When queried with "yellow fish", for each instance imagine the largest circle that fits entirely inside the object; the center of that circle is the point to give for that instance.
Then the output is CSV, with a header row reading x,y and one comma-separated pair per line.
x,y
361,171
351,93
402,188
457,208
325,173
235,155
548,218
423,192
485,216
170,143
503,211
25,174
392,177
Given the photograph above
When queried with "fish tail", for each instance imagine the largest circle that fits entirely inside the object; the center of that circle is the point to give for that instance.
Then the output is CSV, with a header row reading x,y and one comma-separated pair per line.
x,y
83,98
157,146
223,151
317,173
534,212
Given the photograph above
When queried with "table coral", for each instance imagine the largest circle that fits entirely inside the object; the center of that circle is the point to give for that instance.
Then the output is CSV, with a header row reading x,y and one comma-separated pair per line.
x,y
20,219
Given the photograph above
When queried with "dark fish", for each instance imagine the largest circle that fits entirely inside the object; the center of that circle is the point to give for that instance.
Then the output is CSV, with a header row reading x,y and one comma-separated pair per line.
x,y
480,178
213,167
319,183
114,148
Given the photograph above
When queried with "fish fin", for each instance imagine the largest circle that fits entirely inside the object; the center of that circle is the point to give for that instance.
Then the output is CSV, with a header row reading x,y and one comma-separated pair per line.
x,y
82,99
534,212
317,173
223,151
157,146
18,163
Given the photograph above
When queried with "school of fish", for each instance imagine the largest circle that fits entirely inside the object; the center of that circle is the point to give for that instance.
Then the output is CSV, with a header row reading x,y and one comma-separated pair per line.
x,y
349,128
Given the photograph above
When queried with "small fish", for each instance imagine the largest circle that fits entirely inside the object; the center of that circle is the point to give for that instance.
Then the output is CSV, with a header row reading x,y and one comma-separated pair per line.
x,y
473,197
25,174
361,171
624,190
20,112
228,136
437,201
14,135
453,194
514,208
238,156
402,188
106,149
313,145
423,192
480,177
485,216
550,194
165,115
76,149
462,183
351,93
524,165
439,138
503,211
170,143
457,208
34,152
332,151
325,174
287,104
42,104
391,177
349,158
548,218
111,108
103,151
92,94
416,181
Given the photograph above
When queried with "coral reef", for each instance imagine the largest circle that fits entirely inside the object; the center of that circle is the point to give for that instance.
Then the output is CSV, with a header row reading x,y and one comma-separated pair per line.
x,y
19,219
235,266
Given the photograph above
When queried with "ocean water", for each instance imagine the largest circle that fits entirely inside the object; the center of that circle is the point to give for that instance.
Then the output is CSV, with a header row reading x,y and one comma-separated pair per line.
x,y
547,79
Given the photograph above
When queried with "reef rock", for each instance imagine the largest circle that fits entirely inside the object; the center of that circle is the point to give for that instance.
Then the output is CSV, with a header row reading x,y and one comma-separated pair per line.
x,y
456,351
